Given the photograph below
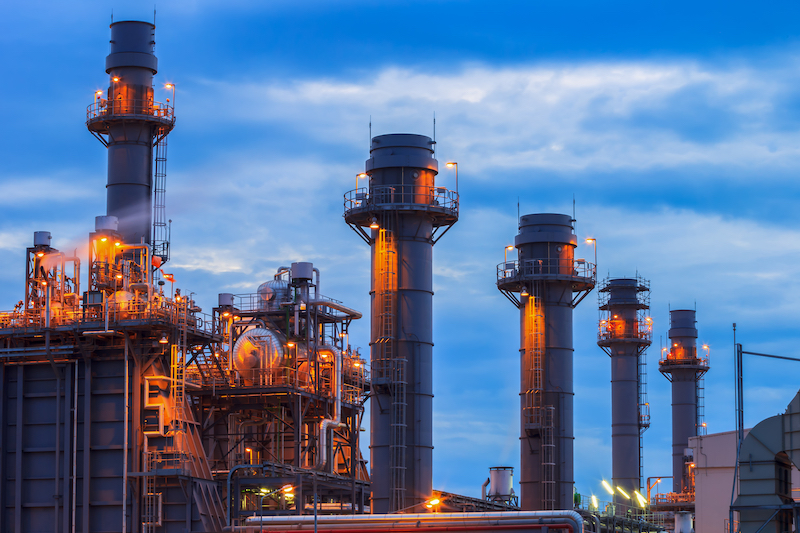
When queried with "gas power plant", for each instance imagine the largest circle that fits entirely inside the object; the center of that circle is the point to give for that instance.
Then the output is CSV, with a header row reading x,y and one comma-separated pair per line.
x,y
125,407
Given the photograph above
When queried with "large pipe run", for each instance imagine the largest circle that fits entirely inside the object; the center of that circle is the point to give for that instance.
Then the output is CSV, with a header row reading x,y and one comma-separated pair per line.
x,y
546,275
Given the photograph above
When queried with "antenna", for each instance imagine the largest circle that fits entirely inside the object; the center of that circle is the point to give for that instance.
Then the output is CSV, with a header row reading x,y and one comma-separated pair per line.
x,y
517,210
370,133
434,134
112,16
154,14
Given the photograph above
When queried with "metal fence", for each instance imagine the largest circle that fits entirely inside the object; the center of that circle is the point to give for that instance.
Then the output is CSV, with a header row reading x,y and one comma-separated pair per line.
x,y
409,195
572,268
102,108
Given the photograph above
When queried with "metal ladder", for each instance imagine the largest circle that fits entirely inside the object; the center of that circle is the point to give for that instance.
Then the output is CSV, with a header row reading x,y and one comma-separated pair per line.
x,y
700,389
539,416
150,512
160,231
392,366
644,409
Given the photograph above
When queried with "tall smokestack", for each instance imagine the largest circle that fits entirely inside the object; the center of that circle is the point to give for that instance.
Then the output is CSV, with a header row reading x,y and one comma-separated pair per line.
x,y
406,214
624,334
681,365
129,123
550,283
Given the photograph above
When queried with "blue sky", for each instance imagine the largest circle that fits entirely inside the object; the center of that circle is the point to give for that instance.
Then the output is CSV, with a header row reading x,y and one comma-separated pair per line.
x,y
675,125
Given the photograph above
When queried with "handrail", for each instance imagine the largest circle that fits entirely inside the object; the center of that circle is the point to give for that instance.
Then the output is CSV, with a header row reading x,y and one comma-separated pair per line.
x,y
624,329
405,195
574,268
110,108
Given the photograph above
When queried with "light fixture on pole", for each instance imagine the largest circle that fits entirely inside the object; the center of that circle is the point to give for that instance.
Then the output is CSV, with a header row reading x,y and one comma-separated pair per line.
x,y
453,164
593,242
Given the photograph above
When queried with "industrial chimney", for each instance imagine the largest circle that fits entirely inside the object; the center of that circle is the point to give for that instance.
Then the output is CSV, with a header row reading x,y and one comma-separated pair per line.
x,y
681,365
404,214
130,123
550,282
624,334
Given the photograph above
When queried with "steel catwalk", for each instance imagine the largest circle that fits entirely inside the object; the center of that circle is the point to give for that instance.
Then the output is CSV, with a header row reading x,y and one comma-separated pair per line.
x,y
403,209
550,283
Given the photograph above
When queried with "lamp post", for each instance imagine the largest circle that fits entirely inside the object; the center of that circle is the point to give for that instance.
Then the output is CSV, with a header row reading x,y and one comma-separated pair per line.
x,y
453,164
171,86
593,242
651,485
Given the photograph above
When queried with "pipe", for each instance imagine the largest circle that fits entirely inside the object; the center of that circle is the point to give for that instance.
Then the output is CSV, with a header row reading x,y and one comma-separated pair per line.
x,y
75,449
520,520
125,446
146,262
483,488
352,313
76,268
335,422
230,494
317,292
281,270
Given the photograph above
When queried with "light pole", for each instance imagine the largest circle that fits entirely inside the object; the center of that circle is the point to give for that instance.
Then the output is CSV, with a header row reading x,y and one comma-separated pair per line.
x,y
593,242
651,485
505,255
171,86
286,490
453,164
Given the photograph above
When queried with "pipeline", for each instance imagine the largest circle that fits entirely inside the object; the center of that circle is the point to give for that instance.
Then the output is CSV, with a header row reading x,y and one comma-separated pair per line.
x,y
401,523
352,313
335,422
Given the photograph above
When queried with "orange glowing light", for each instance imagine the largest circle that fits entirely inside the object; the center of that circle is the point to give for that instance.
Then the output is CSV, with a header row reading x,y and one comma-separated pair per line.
x,y
40,254
290,344
115,79
44,283
362,175
248,450
450,164
117,244
119,276
287,489
169,86
374,224
99,92
103,239
226,314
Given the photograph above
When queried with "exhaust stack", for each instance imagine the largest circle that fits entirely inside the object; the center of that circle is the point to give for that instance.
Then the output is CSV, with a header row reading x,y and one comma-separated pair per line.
x,y
545,283
401,214
130,123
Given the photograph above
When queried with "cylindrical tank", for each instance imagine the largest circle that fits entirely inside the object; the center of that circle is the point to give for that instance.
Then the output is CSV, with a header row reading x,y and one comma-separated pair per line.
x,y
225,299
272,293
683,522
41,238
403,209
106,223
501,482
131,122
623,304
546,276
683,368
302,271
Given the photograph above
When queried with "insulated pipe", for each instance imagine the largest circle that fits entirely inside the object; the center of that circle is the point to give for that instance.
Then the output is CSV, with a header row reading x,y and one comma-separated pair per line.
x,y
352,313
335,422
317,292
513,520
483,488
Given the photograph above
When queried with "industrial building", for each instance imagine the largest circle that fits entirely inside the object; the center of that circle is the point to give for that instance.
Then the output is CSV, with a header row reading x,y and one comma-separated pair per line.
x,y
125,407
